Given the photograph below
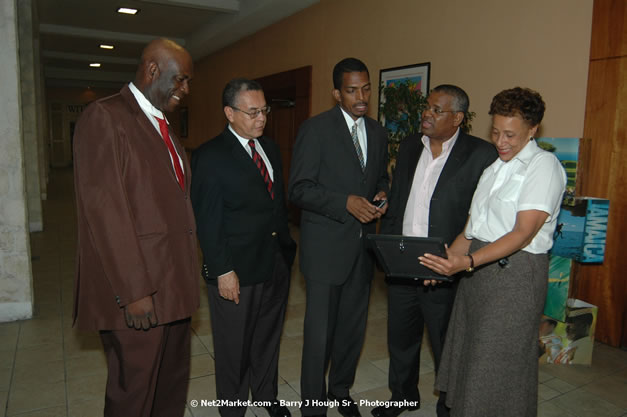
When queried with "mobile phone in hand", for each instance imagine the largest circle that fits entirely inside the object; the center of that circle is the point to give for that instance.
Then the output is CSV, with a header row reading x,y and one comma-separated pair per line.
x,y
379,203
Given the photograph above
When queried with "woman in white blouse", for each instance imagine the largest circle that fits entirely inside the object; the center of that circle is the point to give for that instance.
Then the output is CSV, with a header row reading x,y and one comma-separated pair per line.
x,y
489,365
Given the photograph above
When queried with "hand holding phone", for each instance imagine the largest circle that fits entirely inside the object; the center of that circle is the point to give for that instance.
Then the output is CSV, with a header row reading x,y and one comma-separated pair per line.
x,y
379,203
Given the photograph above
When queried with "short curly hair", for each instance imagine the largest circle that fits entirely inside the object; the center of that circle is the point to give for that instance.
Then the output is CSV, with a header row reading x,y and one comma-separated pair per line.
x,y
523,102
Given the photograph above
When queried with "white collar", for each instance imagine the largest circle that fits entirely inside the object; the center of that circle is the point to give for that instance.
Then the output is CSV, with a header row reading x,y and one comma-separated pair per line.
x,y
349,120
446,145
146,105
526,154
243,140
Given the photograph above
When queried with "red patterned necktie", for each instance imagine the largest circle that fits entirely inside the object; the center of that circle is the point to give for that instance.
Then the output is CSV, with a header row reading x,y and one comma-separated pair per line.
x,y
261,166
163,126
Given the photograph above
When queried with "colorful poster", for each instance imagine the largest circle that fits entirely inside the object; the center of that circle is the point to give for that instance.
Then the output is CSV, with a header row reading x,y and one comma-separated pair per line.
x,y
559,281
569,342
581,230
567,151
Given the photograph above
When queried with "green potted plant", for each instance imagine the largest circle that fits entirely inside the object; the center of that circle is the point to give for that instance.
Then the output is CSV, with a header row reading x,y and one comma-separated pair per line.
x,y
401,111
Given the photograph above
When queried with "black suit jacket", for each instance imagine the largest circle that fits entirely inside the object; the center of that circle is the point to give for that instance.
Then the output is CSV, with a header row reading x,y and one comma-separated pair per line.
x,y
324,171
453,192
239,226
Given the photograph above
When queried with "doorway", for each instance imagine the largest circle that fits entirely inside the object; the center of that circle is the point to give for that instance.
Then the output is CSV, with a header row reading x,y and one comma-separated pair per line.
x,y
63,117
289,95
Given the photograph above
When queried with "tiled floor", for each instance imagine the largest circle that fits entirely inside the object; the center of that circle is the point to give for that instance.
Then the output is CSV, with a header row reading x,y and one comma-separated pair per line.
x,y
48,369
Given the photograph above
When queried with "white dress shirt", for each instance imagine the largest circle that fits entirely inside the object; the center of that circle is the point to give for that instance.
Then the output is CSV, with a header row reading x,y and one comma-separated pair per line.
x,y
259,149
533,180
151,112
428,170
361,133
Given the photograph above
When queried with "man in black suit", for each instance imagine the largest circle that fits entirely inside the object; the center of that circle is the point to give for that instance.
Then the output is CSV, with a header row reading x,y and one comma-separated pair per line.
x,y
339,167
435,178
239,202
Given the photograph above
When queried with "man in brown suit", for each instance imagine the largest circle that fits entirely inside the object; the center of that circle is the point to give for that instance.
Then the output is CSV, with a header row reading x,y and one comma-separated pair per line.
x,y
137,269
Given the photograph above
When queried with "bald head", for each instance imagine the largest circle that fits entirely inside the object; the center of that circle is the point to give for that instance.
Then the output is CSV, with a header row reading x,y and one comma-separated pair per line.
x,y
164,73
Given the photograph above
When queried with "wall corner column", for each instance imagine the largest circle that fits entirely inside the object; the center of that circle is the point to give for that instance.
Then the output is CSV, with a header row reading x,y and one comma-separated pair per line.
x,y
16,284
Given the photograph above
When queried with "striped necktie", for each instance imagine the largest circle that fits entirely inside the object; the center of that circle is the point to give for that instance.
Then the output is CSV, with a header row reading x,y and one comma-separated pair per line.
x,y
360,154
261,166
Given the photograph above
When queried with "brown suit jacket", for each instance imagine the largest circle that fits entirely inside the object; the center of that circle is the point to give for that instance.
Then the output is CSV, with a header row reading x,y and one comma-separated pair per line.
x,y
136,229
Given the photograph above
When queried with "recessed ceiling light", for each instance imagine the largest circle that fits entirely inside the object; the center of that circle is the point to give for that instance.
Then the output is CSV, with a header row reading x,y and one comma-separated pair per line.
x,y
127,10
103,46
95,65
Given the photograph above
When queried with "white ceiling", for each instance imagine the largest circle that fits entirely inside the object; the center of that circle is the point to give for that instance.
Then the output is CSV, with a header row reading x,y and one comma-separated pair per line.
x,y
70,32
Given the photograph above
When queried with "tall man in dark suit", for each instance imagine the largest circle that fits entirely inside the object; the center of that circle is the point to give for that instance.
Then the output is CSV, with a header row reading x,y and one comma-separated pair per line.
x,y
137,269
339,166
239,200
435,178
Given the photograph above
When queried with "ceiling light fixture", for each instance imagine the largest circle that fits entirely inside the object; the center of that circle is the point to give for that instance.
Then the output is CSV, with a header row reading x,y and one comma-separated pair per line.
x,y
103,46
127,10
95,65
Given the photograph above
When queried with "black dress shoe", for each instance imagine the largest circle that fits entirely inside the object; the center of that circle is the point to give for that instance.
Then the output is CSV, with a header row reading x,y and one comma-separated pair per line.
x,y
395,410
347,406
277,410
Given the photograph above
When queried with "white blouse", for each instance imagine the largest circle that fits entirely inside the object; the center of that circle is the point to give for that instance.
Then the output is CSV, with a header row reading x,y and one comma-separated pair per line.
x,y
533,180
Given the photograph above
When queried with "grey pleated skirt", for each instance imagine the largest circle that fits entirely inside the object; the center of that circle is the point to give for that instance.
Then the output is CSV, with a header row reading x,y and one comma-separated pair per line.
x,y
489,365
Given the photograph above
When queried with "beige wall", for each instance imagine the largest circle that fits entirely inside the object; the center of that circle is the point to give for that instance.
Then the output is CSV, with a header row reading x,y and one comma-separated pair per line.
x,y
483,46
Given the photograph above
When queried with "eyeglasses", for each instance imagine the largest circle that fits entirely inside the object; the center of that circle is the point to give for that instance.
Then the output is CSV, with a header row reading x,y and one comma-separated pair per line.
x,y
255,113
438,111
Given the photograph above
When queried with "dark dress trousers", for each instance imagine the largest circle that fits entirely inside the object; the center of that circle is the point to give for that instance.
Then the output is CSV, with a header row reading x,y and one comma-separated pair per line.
x,y
333,258
410,304
136,237
242,229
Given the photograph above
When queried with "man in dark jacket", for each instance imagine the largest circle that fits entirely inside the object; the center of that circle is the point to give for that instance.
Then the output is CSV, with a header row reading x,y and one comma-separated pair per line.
x,y
435,178
239,201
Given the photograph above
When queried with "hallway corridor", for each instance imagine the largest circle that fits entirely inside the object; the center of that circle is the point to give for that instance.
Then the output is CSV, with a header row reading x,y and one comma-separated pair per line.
x,y
49,369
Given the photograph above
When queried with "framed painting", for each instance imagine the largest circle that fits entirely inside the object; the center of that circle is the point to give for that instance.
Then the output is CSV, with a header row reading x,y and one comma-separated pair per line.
x,y
418,74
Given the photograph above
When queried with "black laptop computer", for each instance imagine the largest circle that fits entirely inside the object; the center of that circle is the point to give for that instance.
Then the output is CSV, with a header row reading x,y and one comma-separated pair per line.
x,y
398,255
